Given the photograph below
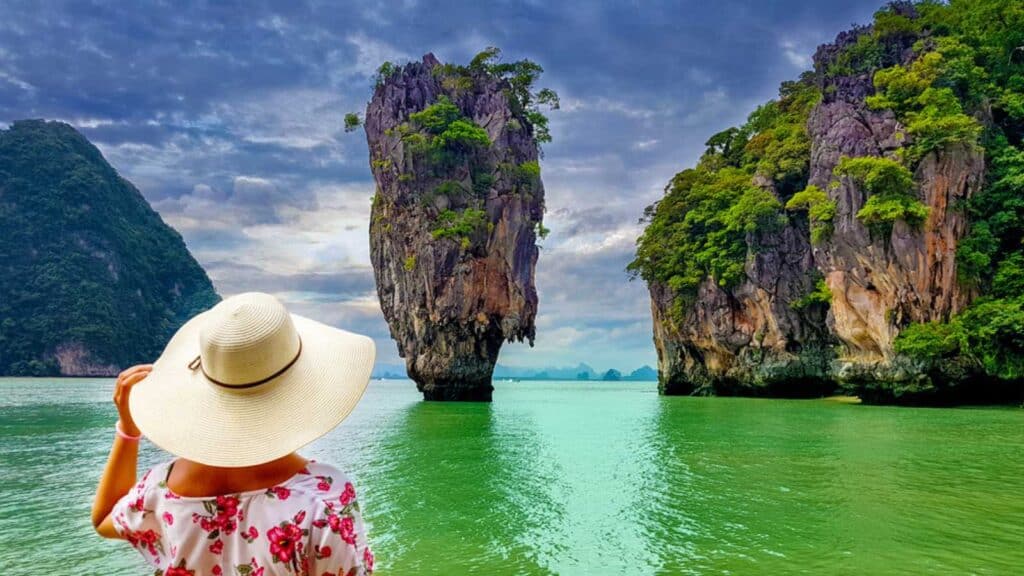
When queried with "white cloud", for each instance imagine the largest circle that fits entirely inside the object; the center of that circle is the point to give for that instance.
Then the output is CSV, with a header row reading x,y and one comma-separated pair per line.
x,y
645,144
607,106
291,118
369,55
15,81
712,105
797,56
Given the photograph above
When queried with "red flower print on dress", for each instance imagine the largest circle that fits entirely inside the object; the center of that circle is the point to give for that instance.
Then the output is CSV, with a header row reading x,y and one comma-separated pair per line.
x,y
348,495
271,526
179,570
343,526
279,492
223,511
147,540
368,559
286,542
348,531
324,483
322,551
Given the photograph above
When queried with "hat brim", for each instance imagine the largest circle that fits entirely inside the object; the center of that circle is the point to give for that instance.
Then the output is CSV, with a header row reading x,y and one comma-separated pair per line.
x,y
183,412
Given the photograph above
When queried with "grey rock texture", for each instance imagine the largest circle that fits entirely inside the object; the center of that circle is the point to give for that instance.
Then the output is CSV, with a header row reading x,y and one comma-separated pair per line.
x,y
748,339
450,304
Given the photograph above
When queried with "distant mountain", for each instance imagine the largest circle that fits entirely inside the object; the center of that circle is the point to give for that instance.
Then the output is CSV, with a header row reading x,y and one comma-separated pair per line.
x,y
389,371
91,279
581,371
644,372
549,373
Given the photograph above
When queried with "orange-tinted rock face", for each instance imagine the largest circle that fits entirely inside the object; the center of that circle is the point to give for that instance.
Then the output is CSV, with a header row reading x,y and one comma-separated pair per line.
x,y
451,302
880,284
750,339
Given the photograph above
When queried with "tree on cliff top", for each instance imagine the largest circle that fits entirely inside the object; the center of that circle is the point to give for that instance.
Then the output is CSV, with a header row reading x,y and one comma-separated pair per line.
x,y
520,76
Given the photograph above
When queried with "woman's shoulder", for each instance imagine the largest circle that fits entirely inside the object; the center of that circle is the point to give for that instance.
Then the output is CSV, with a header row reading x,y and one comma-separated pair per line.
x,y
326,482
155,479
316,469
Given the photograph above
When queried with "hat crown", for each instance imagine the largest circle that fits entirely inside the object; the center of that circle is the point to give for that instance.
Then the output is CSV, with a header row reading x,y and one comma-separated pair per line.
x,y
250,337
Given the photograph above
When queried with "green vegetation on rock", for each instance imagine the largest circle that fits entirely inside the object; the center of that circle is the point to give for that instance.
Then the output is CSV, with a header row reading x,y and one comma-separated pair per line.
x,y
971,66
820,210
444,140
890,188
88,271
352,121
706,224
459,225
520,76
699,228
449,135
820,295
922,95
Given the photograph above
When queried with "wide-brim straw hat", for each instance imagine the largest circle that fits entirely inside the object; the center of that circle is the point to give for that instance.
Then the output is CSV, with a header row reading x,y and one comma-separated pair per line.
x,y
246,382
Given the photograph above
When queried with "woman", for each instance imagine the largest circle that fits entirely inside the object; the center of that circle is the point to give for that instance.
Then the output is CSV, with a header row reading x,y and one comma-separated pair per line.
x,y
236,392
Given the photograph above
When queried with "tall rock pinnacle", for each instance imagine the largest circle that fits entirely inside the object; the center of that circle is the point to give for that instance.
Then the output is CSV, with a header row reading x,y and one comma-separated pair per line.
x,y
455,219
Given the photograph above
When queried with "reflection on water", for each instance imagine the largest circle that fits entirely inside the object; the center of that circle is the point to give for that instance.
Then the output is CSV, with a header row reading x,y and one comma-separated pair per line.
x,y
457,494
585,478
773,486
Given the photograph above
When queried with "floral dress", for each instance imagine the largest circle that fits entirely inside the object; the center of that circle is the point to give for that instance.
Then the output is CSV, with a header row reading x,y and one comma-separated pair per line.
x,y
310,526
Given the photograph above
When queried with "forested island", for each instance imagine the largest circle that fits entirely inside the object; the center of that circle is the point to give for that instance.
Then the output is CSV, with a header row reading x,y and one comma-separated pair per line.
x,y
91,278
863,232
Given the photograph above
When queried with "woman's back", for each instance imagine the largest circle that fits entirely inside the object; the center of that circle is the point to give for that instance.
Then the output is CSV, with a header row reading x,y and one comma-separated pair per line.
x,y
309,524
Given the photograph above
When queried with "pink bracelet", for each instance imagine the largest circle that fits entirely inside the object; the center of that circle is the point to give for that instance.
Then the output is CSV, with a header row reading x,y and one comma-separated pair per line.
x,y
121,434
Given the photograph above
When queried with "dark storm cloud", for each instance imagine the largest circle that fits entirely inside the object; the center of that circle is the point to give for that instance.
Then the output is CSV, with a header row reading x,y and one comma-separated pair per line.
x,y
239,105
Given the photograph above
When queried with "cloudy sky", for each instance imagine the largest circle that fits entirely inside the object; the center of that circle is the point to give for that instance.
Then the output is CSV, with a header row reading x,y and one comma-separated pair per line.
x,y
228,117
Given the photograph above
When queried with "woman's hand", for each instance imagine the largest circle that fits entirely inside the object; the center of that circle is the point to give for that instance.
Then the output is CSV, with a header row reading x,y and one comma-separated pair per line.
x,y
122,391
119,474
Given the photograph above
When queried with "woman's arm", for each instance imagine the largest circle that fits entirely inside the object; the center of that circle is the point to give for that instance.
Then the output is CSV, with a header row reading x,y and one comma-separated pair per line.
x,y
119,474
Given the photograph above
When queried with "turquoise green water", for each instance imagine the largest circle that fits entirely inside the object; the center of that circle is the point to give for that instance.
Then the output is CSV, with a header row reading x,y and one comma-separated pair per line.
x,y
574,478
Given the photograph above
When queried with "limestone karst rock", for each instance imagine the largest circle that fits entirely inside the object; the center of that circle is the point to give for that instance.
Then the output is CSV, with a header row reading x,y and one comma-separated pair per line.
x,y
454,223
840,210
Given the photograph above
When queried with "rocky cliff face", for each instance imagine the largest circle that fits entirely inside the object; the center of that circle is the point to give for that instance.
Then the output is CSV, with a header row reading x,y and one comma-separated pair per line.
x,y
453,227
91,279
882,283
760,336
749,338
